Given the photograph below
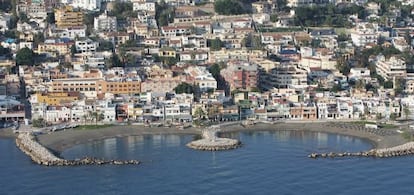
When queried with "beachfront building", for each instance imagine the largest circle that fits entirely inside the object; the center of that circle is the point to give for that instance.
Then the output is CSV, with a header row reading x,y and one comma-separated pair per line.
x,y
55,98
11,109
301,111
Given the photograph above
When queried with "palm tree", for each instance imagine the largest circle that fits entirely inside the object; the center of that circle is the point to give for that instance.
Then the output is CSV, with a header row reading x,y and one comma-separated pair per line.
x,y
407,112
101,116
95,116
85,117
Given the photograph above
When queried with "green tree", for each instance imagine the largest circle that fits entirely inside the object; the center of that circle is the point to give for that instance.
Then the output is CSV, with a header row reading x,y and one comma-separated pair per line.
x,y
23,17
131,59
184,88
274,18
215,44
393,116
199,113
388,85
4,51
169,61
40,122
164,13
379,116
105,46
114,61
50,18
97,117
256,42
72,50
215,70
230,7
342,37
122,10
25,56
38,38
5,6
342,66
399,86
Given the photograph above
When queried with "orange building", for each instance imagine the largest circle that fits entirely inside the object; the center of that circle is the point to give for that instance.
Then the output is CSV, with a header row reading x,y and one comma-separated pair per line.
x,y
119,87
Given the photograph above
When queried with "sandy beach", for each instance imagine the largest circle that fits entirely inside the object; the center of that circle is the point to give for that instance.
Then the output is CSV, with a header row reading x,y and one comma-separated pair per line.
x,y
61,140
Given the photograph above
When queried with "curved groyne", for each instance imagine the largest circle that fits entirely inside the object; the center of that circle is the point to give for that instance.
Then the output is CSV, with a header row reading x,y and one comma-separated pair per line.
x,y
401,150
211,142
27,143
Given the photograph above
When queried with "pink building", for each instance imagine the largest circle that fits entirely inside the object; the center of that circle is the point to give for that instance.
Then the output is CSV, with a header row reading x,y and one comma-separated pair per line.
x,y
241,75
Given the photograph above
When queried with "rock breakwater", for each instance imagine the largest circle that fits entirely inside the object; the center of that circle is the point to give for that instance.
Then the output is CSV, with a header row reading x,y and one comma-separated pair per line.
x,y
215,145
27,143
401,150
211,142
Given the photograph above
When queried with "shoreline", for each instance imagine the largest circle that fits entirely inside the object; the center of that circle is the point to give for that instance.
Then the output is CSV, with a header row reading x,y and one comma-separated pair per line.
x,y
62,140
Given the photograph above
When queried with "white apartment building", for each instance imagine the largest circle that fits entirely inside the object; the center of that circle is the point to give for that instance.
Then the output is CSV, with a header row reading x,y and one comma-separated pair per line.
x,y
26,44
197,41
359,73
392,68
71,33
364,33
4,22
194,55
173,31
202,77
91,5
301,3
318,62
288,76
105,23
86,45
143,6
400,43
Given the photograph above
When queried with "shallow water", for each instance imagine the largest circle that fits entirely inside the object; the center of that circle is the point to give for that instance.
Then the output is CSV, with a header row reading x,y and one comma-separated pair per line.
x,y
267,163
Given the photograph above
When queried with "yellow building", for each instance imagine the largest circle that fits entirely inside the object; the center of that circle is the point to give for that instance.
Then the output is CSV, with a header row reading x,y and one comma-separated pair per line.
x,y
167,52
93,86
58,48
57,98
67,17
134,111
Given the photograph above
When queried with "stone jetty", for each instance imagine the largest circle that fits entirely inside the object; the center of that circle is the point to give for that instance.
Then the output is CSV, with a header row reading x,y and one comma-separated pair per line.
x,y
27,143
211,142
401,150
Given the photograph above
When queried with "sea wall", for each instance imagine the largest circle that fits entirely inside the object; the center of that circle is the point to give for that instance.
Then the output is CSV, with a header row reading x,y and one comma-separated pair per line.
x,y
27,143
401,150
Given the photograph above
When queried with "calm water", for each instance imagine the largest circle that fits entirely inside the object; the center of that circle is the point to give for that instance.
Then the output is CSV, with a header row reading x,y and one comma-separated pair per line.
x,y
268,163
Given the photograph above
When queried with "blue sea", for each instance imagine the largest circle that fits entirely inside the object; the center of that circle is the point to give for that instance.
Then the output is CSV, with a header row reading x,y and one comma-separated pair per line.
x,y
269,162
